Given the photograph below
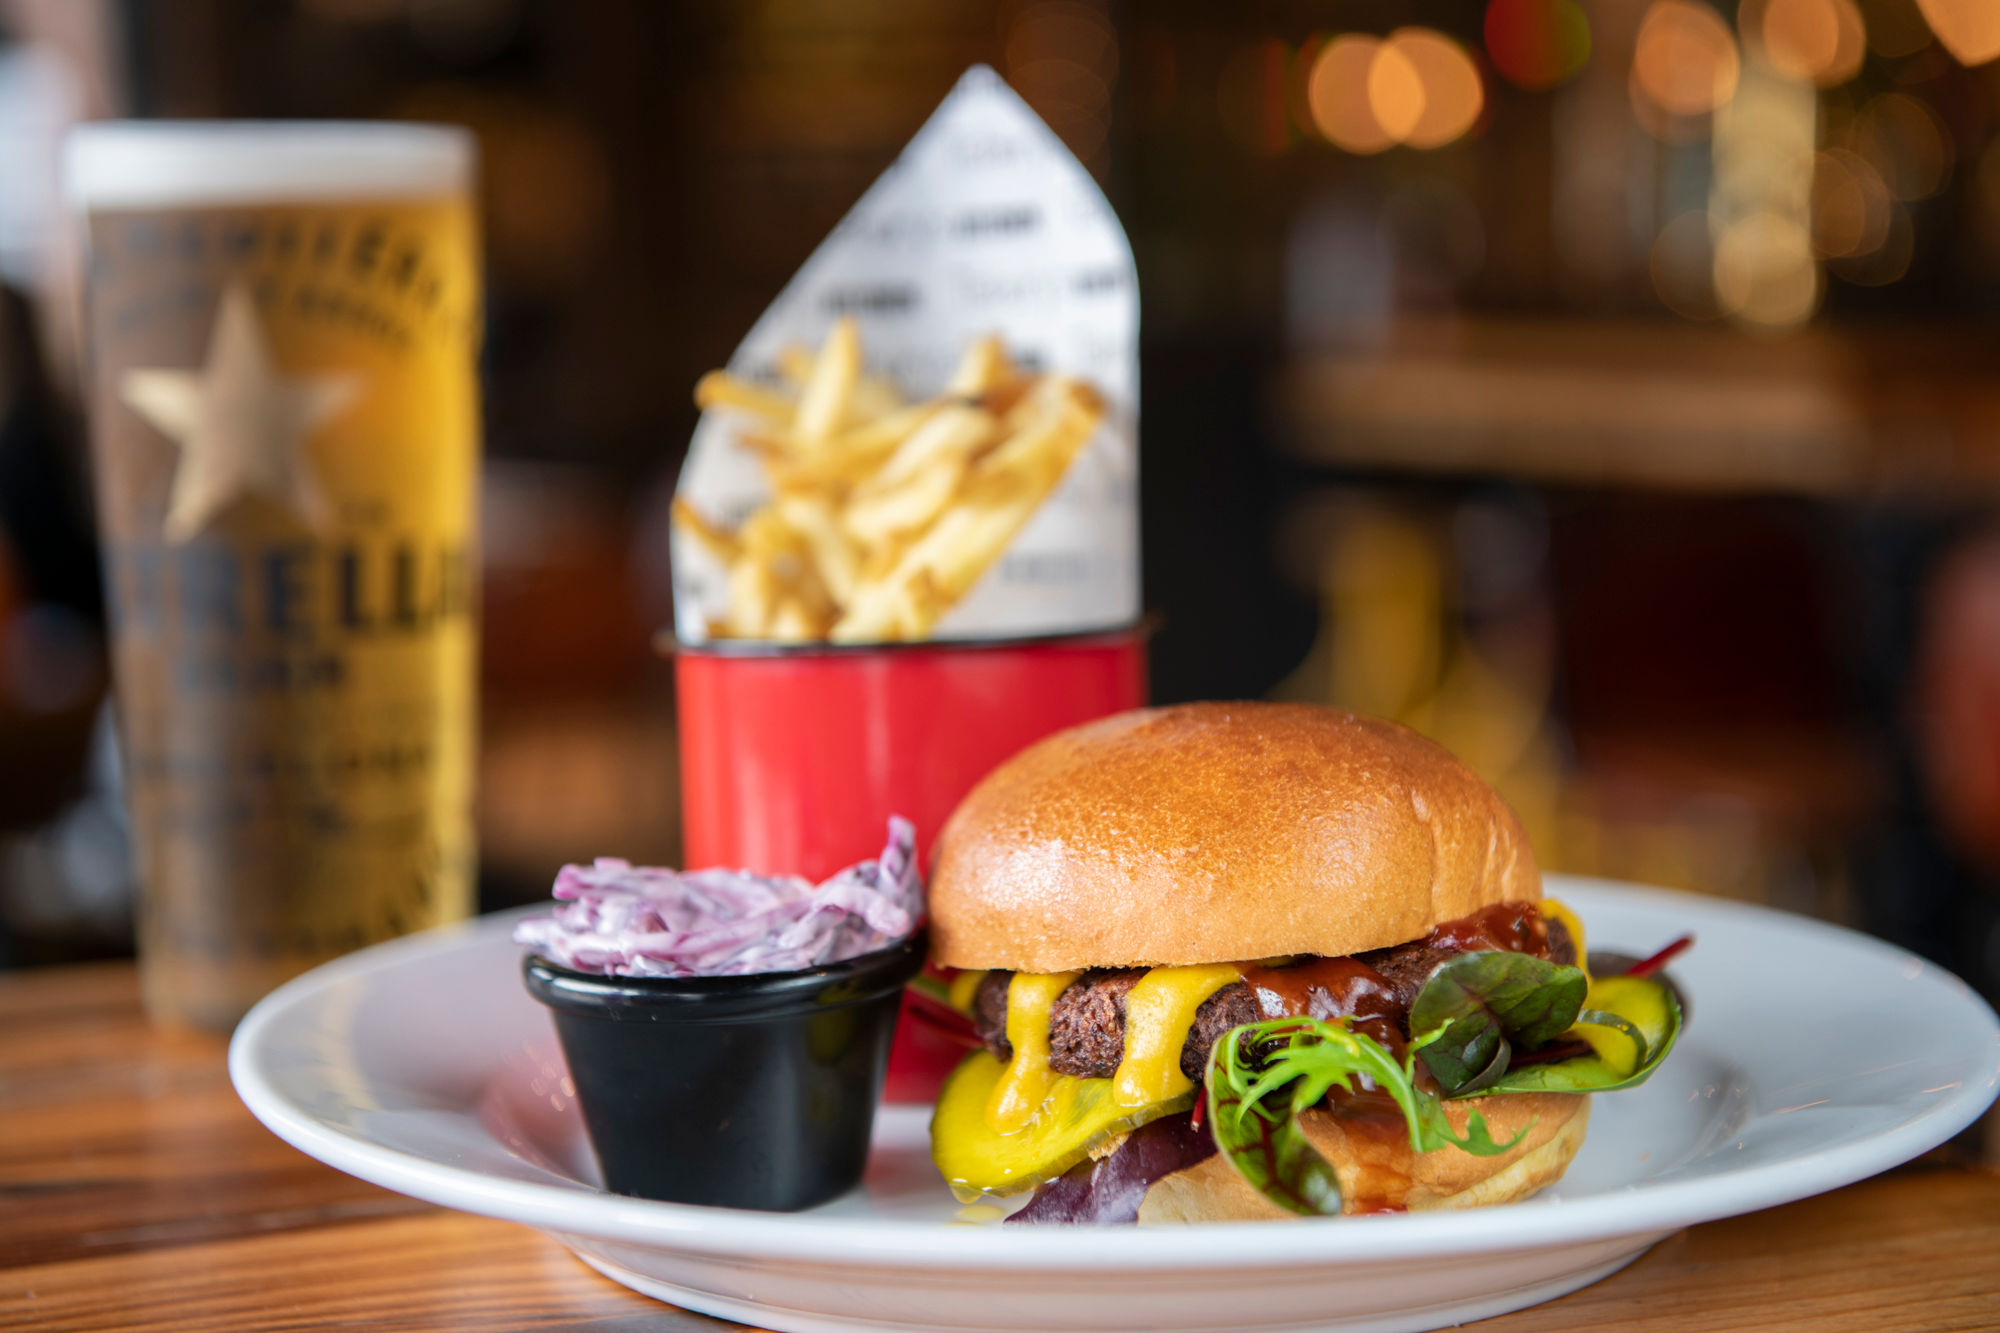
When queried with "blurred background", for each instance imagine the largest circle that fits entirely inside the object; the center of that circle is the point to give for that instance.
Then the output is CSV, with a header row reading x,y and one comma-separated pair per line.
x,y
1606,388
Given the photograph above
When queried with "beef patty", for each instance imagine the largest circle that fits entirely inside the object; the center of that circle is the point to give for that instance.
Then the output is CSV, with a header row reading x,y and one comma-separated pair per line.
x,y
1087,1024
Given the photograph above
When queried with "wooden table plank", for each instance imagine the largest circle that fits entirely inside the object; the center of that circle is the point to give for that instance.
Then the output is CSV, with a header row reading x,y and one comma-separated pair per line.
x,y
137,1193
439,1270
1917,1248
115,1136
1911,1250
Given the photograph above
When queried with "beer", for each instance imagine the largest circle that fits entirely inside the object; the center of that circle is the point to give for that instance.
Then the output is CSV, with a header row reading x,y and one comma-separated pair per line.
x,y
282,328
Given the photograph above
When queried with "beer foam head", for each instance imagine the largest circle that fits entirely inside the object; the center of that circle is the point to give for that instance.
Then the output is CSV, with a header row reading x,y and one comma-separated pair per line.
x,y
191,163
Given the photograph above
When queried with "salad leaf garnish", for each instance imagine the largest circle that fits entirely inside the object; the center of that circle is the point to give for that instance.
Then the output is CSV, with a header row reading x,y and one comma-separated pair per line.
x,y
1481,1004
1262,1076
1646,1008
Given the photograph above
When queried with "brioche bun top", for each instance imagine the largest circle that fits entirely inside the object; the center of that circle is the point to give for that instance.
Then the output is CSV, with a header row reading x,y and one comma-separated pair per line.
x,y
1214,833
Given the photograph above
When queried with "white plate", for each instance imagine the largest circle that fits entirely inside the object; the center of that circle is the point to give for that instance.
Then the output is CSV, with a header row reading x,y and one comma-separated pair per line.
x,y
1813,1057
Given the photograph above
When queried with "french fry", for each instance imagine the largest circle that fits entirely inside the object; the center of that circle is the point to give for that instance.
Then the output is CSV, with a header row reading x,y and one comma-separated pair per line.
x,y
720,389
833,555
753,597
983,368
1065,413
1003,490
775,451
884,514
716,540
918,481
954,432
824,399
877,438
795,363
853,455
791,622
910,504
872,397
879,612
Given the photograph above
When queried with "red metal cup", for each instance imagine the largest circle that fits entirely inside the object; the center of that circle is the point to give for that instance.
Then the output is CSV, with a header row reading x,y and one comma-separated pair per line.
x,y
793,758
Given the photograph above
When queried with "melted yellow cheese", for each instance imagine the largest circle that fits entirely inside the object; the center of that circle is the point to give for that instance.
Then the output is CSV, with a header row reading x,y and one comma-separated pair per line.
x,y
963,987
1077,1115
1159,1010
1018,1095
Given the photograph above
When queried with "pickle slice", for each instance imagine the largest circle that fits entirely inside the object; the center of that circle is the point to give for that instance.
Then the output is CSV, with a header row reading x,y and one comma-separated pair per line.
x,y
1078,1114
1645,1004
1641,1001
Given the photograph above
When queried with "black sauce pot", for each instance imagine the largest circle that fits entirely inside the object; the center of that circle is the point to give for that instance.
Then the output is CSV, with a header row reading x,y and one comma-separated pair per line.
x,y
751,1091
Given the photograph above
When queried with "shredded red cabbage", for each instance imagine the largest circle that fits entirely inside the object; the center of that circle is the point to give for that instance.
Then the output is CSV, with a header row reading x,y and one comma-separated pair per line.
x,y
641,921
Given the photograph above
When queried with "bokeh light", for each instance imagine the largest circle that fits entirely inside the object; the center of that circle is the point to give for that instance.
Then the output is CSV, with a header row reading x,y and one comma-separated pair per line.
x,y
1851,206
1415,87
1395,92
1684,61
1821,41
1886,262
1450,92
1764,271
1763,157
1969,29
1907,143
1537,44
1337,92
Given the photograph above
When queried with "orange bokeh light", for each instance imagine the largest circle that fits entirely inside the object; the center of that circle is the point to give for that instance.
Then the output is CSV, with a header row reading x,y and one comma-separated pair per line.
x,y
1823,41
1395,91
1969,29
1906,142
1450,93
1416,87
1685,60
1850,205
1338,94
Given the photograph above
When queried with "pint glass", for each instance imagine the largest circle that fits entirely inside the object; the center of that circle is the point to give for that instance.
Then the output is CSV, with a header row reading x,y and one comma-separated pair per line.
x,y
282,322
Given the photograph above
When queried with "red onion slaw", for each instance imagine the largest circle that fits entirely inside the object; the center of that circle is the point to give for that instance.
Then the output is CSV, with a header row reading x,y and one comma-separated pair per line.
x,y
619,919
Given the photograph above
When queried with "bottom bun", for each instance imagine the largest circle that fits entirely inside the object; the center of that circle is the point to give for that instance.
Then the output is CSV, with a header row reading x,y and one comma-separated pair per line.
x,y
1377,1172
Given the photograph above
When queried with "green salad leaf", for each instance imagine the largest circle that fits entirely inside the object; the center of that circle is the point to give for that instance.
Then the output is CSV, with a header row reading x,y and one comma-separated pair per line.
x,y
1482,1005
1645,1012
1262,1076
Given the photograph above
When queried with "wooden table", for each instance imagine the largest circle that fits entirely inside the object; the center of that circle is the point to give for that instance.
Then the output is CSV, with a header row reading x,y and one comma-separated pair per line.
x,y
137,1193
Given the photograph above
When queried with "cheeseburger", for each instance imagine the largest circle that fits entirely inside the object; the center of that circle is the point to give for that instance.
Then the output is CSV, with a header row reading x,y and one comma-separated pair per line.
x,y
1256,960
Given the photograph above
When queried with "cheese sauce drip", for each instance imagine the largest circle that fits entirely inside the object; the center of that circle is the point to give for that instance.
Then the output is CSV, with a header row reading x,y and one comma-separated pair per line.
x,y
1159,1010
1018,1096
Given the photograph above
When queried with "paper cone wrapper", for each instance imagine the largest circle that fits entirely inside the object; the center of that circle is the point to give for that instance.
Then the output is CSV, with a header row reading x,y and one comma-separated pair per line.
x,y
985,224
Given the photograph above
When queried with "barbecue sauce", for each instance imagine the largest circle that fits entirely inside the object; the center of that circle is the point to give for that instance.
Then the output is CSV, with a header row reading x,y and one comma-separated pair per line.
x,y
1376,1180
1330,988
1509,927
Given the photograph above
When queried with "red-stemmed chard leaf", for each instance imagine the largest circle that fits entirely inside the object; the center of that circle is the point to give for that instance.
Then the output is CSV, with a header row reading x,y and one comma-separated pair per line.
x,y
1482,1005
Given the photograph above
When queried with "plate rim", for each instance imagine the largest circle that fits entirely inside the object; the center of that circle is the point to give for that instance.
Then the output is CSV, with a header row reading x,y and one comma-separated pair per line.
x,y
910,1244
